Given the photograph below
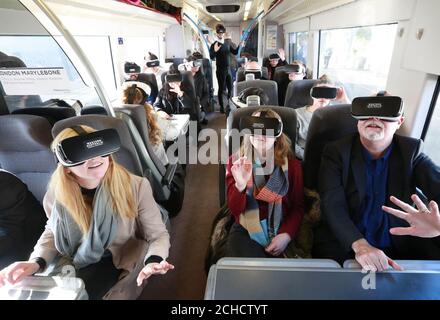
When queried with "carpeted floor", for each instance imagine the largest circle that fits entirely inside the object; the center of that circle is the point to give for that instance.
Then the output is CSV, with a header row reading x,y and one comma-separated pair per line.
x,y
190,233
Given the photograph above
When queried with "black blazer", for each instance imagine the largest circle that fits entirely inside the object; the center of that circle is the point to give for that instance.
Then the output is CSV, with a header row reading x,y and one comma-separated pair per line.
x,y
22,219
342,189
184,105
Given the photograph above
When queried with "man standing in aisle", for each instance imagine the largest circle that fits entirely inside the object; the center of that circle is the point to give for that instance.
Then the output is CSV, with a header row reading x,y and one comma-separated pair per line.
x,y
220,50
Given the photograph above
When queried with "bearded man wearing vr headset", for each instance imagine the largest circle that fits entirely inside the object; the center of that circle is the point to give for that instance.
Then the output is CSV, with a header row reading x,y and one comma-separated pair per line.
x,y
367,174
267,206
102,220
220,50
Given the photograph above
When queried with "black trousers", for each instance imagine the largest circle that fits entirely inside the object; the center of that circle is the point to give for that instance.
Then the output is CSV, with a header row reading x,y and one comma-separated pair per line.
x,y
241,245
224,80
99,277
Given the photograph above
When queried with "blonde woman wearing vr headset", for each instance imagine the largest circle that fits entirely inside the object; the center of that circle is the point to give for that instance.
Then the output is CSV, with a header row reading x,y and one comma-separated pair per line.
x,y
371,173
322,97
102,220
265,190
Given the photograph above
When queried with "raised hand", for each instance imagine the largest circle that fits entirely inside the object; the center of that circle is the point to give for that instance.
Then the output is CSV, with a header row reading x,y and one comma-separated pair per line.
x,y
153,268
176,89
282,54
424,221
217,46
242,172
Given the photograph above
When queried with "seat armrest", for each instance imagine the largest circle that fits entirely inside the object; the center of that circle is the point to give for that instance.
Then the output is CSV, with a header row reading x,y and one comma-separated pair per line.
x,y
169,174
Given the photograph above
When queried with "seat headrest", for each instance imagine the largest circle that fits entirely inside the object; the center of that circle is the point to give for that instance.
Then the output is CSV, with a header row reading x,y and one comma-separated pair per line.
x,y
25,150
298,93
52,114
126,156
268,86
328,124
94,110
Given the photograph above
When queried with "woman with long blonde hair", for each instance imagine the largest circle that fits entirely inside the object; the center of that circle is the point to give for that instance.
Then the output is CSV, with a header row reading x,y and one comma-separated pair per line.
x,y
265,192
112,234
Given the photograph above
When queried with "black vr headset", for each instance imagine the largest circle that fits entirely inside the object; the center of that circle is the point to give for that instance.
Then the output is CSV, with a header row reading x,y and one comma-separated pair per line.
x,y
153,63
174,77
293,68
324,92
387,108
271,127
75,151
131,67
195,63
274,56
220,29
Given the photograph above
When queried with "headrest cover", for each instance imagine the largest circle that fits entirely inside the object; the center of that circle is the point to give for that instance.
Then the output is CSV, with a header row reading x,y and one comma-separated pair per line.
x,y
255,72
252,91
323,92
253,101
131,67
274,56
75,151
145,88
388,108
293,68
271,127
153,63
174,77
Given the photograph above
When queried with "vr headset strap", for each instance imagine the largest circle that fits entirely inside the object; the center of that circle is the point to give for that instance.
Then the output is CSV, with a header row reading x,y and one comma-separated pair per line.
x,y
79,130
131,94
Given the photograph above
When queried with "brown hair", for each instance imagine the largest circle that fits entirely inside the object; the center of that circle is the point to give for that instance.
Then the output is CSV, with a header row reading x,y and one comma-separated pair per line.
x,y
283,144
154,131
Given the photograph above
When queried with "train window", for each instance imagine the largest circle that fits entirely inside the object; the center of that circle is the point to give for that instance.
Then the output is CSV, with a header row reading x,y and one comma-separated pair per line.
x,y
44,52
431,131
358,57
98,51
298,43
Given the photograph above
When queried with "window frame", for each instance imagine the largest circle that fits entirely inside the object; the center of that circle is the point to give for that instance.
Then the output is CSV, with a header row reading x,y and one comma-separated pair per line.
x,y
429,115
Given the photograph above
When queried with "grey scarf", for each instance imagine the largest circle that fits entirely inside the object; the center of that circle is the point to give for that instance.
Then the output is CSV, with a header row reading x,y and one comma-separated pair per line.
x,y
69,240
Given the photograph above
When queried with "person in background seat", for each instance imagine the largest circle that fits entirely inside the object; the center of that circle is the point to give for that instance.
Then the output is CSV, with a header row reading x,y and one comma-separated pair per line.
x,y
274,61
103,220
364,172
156,69
135,95
265,192
174,98
302,71
304,114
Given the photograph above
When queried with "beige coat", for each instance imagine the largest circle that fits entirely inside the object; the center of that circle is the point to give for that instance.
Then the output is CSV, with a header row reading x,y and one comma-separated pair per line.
x,y
135,241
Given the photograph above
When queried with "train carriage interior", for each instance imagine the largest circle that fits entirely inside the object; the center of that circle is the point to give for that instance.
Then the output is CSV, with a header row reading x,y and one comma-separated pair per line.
x,y
183,94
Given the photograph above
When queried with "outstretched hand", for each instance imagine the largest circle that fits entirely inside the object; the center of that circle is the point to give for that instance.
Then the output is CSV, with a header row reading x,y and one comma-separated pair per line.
x,y
282,54
424,221
153,268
